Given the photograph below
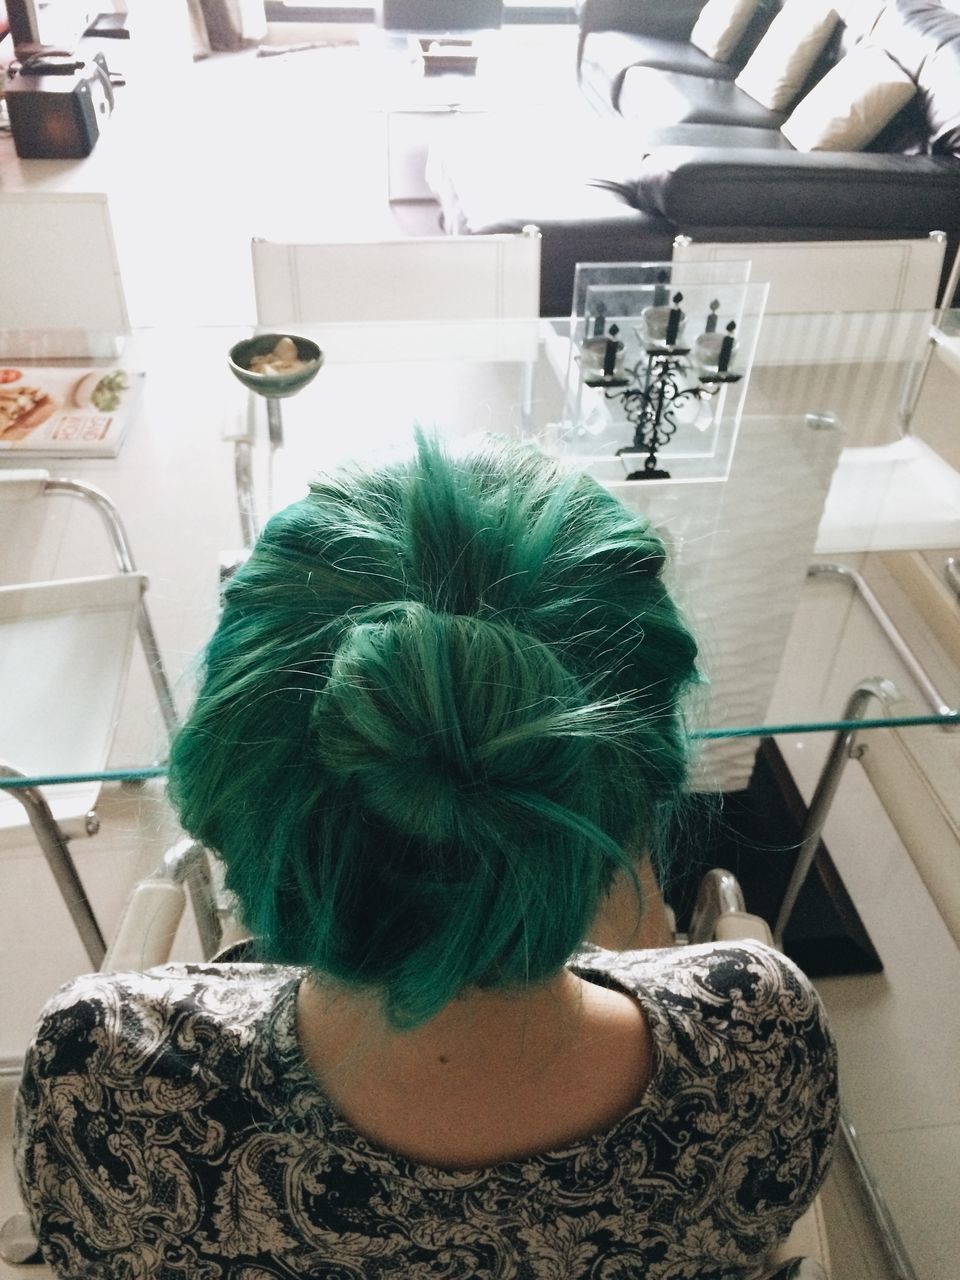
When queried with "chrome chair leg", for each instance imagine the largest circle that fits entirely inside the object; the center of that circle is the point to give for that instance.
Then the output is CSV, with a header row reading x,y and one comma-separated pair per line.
x,y
187,863
54,846
246,502
719,893
843,747
844,744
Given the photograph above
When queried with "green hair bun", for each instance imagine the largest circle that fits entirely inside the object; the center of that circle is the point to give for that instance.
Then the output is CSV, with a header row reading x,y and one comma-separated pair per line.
x,y
440,712
443,722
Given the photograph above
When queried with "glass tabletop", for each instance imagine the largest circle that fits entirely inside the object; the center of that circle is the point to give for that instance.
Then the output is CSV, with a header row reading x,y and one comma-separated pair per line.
x,y
947,337
201,468
949,324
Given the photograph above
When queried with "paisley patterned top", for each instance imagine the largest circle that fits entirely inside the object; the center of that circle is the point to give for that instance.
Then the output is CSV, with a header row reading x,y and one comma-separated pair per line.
x,y
168,1128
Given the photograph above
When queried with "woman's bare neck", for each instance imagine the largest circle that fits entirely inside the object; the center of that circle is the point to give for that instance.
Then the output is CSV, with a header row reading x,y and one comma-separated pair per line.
x,y
493,1075
478,1028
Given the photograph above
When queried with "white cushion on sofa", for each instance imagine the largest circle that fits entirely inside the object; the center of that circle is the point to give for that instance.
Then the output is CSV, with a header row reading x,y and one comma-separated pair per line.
x,y
784,57
721,23
851,104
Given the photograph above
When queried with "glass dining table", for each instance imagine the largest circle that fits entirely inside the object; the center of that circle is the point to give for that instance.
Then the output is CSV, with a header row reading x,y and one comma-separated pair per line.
x,y
203,465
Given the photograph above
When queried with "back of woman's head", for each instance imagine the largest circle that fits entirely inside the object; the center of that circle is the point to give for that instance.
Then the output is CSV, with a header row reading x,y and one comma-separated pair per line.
x,y
439,713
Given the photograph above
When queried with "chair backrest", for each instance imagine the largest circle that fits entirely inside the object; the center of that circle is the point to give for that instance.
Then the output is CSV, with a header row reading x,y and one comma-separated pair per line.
x,y
64,654
817,286
436,278
59,275
812,276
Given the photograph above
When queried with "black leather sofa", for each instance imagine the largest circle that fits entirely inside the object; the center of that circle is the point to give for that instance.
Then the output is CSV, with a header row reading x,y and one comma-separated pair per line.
x,y
657,141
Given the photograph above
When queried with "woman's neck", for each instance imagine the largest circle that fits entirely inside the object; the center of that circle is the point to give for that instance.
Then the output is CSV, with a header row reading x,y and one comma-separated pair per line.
x,y
480,1025
494,1076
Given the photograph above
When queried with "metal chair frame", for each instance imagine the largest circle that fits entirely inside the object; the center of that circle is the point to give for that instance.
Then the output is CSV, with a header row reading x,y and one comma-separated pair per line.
x,y
50,837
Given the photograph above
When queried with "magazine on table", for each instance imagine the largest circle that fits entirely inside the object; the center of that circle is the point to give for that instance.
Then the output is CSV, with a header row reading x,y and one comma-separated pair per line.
x,y
66,412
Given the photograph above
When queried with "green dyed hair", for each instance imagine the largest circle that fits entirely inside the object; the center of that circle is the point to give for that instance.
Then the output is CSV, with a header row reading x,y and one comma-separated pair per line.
x,y
439,713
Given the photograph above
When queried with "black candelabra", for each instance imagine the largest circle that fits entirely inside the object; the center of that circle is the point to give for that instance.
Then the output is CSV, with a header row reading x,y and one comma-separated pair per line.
x,y
651,392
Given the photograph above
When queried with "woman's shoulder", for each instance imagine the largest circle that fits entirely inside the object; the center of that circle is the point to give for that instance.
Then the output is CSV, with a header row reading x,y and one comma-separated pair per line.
x,y
740,1022
129,1019
744,971
744,994
745,1073
207,982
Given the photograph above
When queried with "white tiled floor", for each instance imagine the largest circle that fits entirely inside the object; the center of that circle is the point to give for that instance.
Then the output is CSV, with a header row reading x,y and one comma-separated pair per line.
x,y
897,1033
290,140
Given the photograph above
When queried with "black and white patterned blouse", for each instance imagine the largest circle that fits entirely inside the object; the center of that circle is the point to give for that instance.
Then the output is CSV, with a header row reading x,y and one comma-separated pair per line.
x,y
168,1128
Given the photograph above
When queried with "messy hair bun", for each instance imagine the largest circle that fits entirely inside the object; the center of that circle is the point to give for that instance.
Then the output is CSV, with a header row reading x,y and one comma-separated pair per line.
x,y
439,713
441,724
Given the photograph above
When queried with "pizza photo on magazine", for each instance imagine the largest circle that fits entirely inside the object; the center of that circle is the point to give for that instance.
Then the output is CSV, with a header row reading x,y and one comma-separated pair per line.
x,y
66,412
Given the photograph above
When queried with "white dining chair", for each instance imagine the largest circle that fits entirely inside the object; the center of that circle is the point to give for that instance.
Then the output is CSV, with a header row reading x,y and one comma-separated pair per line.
x,y
445,282
65,650
437,278
864,305
58,298
820,277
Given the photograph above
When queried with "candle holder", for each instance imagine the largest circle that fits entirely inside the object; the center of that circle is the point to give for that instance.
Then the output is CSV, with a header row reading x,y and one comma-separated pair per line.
x,y
663,323
654,396
601,358
655,351
712,352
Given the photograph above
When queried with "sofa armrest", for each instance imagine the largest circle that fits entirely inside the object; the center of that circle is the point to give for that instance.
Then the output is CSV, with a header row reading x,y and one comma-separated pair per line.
x,y
732,186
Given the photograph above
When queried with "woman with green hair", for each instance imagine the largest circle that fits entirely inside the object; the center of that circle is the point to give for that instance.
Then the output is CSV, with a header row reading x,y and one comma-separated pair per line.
x,y
437,740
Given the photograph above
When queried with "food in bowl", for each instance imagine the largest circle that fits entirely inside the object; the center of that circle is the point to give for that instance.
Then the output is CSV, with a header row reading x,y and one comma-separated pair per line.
x,y
284,358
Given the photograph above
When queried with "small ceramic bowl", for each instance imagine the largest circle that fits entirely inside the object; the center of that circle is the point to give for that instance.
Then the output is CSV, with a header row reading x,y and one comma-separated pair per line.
x,y
274,385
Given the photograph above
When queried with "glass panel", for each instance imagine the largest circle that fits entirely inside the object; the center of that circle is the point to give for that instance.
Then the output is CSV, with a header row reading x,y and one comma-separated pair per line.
x,y
950,322
739,547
